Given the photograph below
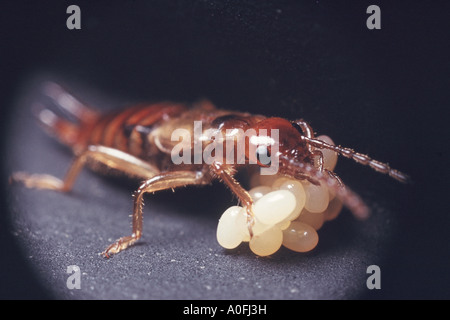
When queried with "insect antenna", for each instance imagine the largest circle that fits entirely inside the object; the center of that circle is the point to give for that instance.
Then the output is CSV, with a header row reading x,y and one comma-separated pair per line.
x,y
360,158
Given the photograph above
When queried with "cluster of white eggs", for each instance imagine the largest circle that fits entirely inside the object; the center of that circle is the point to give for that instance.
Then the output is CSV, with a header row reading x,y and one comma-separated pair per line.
x,y
287,213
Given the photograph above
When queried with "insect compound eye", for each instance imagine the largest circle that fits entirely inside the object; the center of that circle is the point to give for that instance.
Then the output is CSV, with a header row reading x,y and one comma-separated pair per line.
x,y
263,156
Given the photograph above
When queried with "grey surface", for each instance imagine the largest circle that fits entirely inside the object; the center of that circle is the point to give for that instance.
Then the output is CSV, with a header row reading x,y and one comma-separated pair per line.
x,y
178,256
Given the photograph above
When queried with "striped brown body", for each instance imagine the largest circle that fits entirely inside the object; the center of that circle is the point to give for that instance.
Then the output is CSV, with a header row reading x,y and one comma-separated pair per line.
x,y
144,131
129,130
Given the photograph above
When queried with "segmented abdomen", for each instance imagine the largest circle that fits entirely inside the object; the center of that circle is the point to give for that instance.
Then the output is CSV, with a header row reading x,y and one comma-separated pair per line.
x,y
128,130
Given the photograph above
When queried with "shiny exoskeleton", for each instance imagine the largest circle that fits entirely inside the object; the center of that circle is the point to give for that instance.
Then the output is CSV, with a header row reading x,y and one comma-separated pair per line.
x,y
138,142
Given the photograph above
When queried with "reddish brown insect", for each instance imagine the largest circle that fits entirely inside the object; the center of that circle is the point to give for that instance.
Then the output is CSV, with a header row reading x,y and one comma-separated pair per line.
x,y
138,142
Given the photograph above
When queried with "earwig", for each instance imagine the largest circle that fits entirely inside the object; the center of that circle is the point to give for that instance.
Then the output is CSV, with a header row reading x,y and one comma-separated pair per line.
x,y
138,142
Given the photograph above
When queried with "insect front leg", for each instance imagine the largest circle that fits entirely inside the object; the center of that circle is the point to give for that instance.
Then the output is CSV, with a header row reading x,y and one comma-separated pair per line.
x,y
224,172
319,156
110,157
163,181
320,167
307,130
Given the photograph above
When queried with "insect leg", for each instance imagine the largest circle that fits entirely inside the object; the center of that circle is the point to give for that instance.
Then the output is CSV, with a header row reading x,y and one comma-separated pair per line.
x,y
307,130
110,157
351,200
224,172
335,177
163,181
320,166
319,156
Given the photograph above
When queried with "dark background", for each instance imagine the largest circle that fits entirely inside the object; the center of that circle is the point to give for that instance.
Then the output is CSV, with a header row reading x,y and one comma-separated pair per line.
x,y
381,92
